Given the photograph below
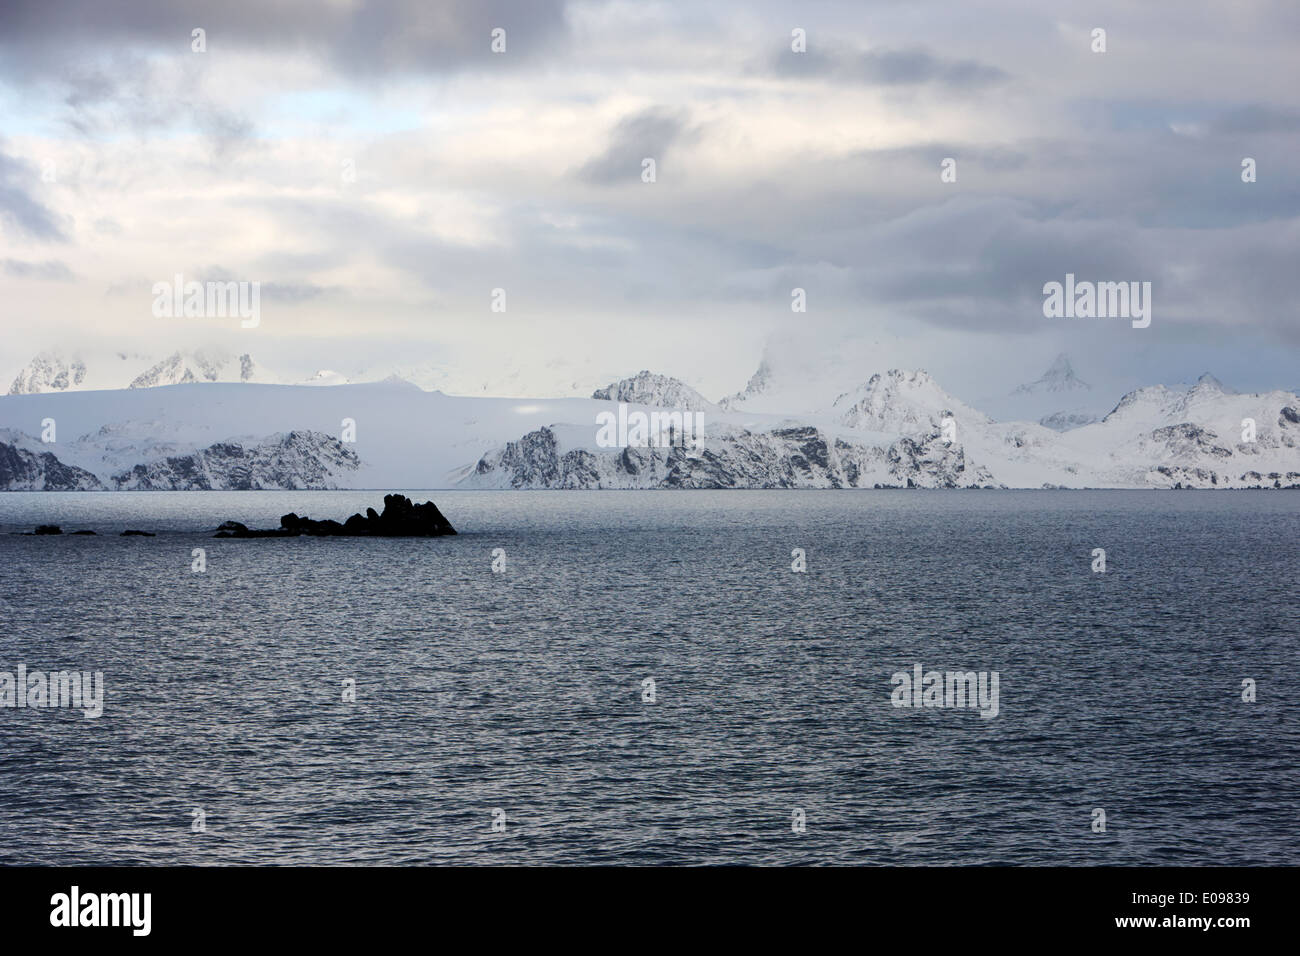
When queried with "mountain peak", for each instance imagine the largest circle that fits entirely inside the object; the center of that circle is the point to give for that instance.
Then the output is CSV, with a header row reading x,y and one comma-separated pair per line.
x,y
899,401
758,384
1061,365
50,371
649,388
1209,382
201,365
1059,377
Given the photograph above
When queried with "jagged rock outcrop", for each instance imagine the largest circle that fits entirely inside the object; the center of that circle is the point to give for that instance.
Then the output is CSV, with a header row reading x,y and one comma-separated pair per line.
x,y
1187,440
298,461
661,391
181,368
1176,476
801,456
56,371
49,372
757,385
22,470
400,519
1064,421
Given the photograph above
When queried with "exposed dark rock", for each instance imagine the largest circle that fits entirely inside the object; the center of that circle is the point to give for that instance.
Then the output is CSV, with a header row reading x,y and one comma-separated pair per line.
x,y
400,519
138,534
297,460
1186,439
788,457
83,532
48,529
22,470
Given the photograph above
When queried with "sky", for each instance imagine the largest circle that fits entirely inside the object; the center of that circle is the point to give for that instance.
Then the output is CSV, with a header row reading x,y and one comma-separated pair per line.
x,y
380,171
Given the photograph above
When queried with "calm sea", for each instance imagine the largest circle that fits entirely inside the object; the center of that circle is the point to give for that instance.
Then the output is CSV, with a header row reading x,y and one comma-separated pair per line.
x,y
525,695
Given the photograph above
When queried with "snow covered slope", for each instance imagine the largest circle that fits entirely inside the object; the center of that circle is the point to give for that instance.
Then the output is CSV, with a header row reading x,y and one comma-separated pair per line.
x,y
404,436
900,428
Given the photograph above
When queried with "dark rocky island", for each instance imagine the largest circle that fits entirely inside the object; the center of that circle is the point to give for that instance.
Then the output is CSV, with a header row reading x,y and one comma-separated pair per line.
x,y
400,519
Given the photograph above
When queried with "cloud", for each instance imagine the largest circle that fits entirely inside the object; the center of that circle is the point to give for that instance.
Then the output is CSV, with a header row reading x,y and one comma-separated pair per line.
x,y
912,66
650,133
820,170
1255,119
19,212
50,271
367,37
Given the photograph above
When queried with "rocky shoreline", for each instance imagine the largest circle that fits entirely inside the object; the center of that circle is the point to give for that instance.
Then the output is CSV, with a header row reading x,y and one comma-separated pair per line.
x,y
400,519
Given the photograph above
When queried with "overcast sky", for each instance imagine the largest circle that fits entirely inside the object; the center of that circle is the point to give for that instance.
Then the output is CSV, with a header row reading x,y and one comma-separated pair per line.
x,y
379,170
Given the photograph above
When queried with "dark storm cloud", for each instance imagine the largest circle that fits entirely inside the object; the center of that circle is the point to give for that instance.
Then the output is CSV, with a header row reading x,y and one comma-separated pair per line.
x,y
907,67
39,37
19,212
648,134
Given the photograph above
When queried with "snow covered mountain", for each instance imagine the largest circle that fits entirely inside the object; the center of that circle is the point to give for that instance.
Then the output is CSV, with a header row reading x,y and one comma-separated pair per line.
x,y
1059,377
1197,437
899,429
163,437
731,457
661,391
899,402
1058,399
100,368
55,371
293,461
903,429
22,469
758,385
204,365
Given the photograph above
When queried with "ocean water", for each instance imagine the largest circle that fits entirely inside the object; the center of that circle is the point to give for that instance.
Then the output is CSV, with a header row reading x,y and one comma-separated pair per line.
x,y
524,691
